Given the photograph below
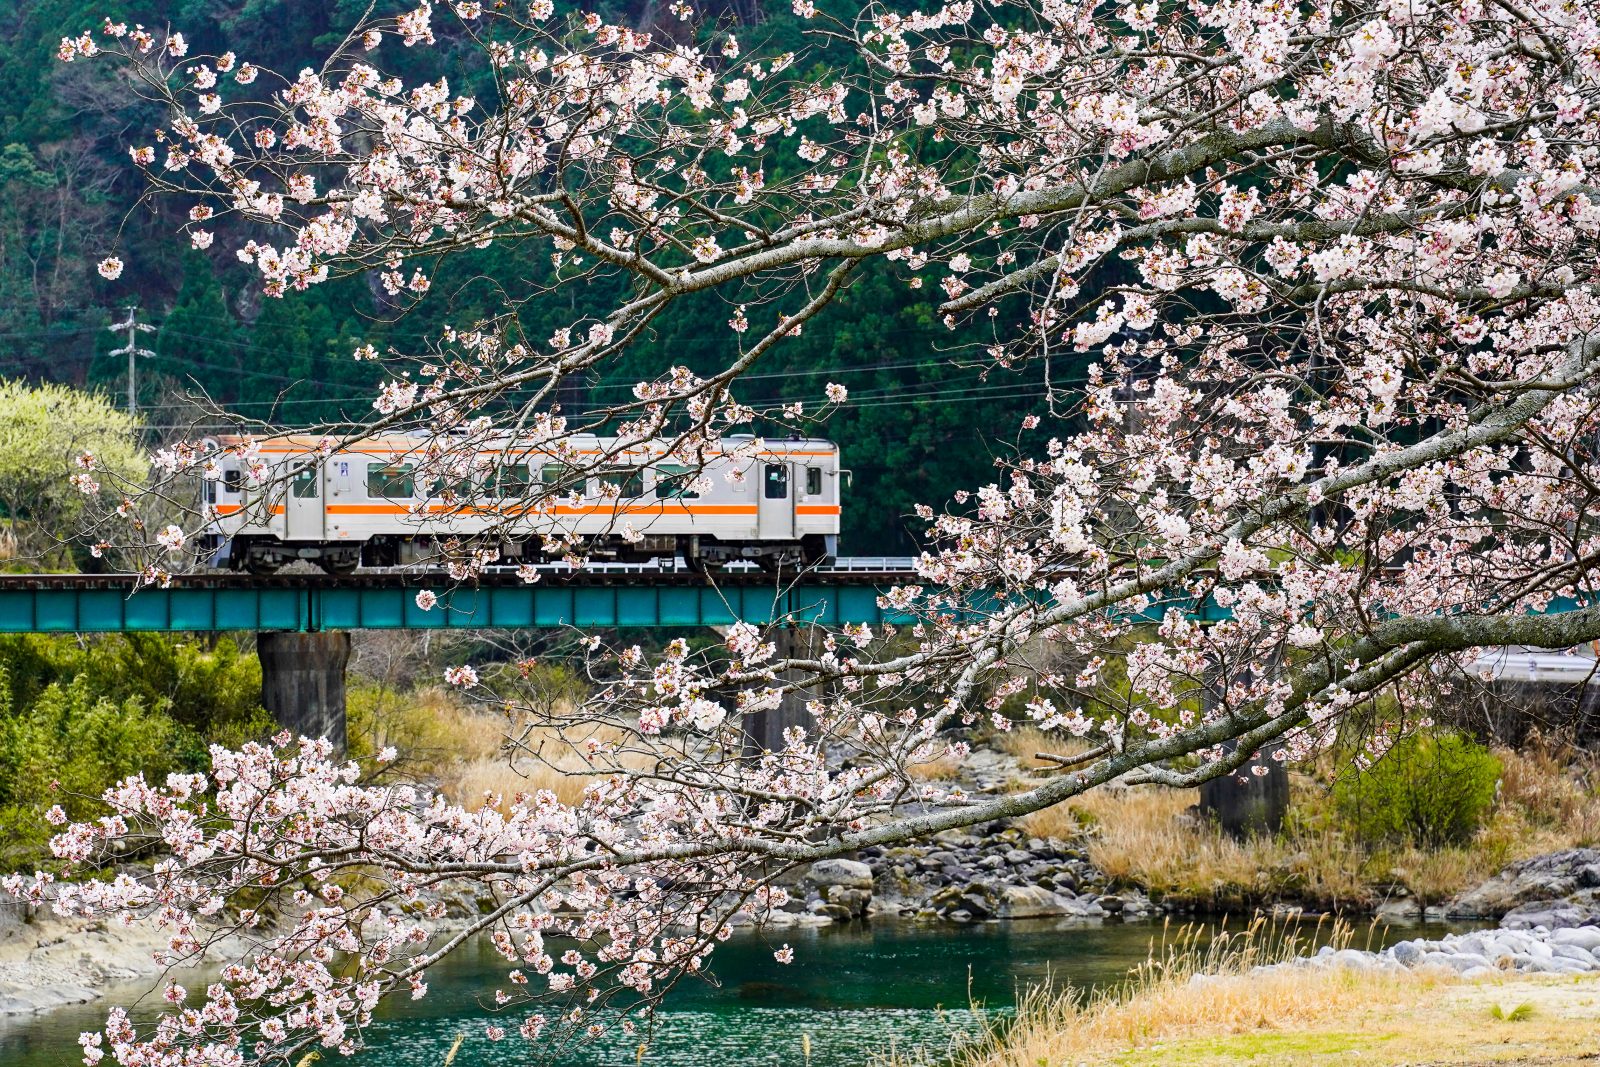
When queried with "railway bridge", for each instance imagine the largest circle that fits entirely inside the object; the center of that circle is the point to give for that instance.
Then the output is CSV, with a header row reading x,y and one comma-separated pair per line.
x,y
303,621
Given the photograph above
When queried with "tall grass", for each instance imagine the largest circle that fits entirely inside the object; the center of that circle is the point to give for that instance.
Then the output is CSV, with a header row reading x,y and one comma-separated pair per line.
x,y
1146,837
462,749
1025,742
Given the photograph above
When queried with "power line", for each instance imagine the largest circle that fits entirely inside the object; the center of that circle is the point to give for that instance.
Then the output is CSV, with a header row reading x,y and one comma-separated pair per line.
x,y
857,400
1007,391
26,335
848,369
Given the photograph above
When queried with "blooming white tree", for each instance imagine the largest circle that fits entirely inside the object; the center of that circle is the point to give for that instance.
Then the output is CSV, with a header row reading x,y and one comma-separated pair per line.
x,y
1331,268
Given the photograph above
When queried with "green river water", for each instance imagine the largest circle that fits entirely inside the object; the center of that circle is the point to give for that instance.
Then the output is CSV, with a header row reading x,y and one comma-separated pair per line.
x,y
854,990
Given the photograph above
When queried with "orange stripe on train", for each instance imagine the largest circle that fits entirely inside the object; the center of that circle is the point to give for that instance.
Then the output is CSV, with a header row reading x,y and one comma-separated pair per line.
x,y
641,509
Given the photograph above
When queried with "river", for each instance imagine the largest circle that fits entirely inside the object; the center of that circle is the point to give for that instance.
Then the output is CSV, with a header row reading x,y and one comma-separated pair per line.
x,y
853,991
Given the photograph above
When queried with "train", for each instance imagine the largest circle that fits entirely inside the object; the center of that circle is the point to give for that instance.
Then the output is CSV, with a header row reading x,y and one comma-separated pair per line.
x,y
368,504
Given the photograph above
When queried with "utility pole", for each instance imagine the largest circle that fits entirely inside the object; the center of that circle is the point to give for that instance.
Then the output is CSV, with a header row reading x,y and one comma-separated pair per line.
x,y
132,351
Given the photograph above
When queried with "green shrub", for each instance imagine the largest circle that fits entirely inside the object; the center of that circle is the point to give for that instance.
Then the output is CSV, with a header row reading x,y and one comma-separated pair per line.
x,y
210,687
1433,789
78,715
66,748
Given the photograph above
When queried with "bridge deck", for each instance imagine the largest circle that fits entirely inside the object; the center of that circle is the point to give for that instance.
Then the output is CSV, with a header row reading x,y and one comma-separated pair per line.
x,y
609,597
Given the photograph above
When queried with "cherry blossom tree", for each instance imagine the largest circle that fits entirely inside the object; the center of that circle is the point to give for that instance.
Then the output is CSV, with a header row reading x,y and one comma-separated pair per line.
x,y
1331,268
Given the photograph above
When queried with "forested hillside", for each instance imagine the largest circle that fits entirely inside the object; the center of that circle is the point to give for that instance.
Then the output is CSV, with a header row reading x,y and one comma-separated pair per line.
x,y
915,430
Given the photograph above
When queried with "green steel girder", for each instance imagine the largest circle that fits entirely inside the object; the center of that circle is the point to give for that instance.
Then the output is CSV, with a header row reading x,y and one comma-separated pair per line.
x,y
74,608
387,601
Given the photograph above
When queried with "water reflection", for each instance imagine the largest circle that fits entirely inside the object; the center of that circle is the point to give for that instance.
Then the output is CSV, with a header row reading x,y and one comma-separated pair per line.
x,y
854,991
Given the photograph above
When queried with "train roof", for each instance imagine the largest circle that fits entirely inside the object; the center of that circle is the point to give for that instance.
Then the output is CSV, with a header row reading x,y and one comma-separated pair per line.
x,y
401,442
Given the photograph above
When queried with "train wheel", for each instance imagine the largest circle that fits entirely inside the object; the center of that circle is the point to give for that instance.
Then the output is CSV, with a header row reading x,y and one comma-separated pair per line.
x,y
700,565
339,567
261,565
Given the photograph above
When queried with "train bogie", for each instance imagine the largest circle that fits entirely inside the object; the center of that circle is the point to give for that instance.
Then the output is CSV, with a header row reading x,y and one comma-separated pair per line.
x,y
366,504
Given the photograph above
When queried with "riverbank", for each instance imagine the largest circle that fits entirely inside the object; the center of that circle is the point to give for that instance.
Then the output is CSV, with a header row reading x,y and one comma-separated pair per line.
x,y
1303,1019
1115,852
52,963
1493,996
1150,840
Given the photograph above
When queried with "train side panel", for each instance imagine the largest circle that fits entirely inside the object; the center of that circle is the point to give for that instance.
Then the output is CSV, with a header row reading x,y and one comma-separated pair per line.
x,y
769,502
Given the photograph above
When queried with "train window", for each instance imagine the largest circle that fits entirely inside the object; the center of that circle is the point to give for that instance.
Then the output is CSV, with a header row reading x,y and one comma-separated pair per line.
x,y
232,480
208,491
513,480
674,482
628,480
305,483
559,477
777,481
392,481
813,481
458,490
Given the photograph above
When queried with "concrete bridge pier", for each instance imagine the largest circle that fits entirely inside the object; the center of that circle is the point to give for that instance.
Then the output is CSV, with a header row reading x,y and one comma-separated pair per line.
x,y
1252,800
302,681
764,730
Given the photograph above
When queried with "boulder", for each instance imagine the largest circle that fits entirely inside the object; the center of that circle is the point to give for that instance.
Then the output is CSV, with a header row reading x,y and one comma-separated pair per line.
x,y
1352,958
854,901
1551,914
1084,907
1572,952
1551,877
1406,953
1030,902
1457,961
835,888
1584,937
1398,910
851,874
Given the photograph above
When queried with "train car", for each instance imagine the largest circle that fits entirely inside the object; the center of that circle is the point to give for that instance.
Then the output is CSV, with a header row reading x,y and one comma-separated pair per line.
x,y
366,504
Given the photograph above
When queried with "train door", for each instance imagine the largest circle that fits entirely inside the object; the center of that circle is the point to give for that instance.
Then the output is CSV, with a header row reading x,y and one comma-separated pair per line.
x,y
777,500
302,505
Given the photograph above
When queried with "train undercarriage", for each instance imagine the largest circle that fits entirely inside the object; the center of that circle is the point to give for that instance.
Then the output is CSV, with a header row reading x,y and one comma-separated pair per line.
x,y
699,553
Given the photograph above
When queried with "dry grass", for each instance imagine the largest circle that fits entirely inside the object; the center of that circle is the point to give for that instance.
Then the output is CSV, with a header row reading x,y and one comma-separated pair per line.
x,y
943,769
1303,1018
1024,741
545,759
431,727
462,748
1060,1030
1146,837
1167,1015
1554,787
497,778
